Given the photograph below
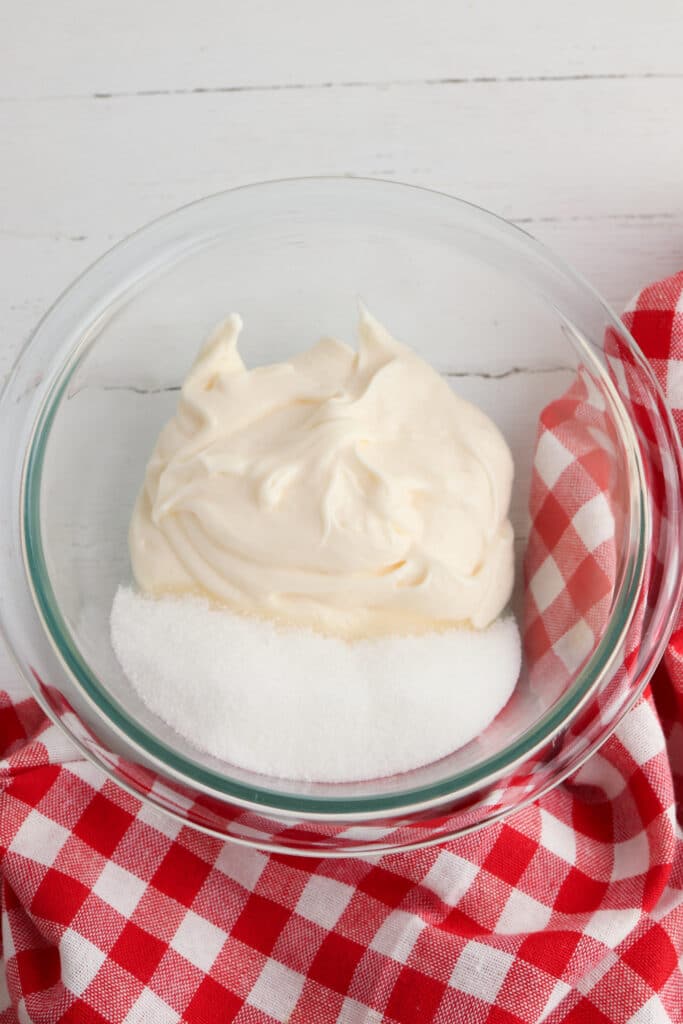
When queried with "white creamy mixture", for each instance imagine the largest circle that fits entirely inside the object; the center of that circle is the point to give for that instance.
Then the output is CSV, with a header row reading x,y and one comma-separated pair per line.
x,y
354,492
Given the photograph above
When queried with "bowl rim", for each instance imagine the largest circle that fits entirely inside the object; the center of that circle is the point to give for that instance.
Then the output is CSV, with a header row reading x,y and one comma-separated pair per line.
x,y
218,784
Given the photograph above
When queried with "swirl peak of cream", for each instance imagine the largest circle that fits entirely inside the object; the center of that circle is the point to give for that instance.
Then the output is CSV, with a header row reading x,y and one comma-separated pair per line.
x,y
350,491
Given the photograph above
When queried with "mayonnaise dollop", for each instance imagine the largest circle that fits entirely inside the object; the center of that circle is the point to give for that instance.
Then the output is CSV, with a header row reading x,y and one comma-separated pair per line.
x,y
353,492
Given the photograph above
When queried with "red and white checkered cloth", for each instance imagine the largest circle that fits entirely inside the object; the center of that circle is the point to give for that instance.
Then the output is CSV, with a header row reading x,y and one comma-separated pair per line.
x,y
571,911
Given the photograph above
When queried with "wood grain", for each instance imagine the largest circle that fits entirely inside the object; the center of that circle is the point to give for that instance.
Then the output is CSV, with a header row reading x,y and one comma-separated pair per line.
x,y
78,47
80,175
528,150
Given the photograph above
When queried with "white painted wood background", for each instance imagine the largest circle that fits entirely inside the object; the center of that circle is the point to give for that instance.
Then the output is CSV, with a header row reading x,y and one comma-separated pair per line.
x,y
566,118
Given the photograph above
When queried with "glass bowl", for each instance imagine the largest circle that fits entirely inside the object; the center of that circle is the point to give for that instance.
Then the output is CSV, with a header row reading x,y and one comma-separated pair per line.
x,y
481,301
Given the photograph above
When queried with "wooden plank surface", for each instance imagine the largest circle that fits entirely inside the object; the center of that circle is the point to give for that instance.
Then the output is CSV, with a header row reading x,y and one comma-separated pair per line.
x,y
80,175
78,47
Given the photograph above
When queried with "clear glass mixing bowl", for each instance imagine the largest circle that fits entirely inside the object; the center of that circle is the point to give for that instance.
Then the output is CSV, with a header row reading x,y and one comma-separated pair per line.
x,y
483,303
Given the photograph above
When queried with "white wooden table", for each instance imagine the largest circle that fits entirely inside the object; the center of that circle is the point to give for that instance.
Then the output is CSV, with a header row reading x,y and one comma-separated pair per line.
x,y
566,118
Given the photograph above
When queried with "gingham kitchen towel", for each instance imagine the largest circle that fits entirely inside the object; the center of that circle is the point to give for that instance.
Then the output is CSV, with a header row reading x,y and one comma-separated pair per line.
x,y
571,911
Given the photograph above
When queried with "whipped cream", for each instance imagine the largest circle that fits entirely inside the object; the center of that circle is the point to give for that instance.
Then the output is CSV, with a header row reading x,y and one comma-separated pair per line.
x,y
354,492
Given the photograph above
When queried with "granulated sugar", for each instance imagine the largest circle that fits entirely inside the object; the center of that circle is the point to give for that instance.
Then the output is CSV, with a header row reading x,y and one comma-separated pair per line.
x,y
295,704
